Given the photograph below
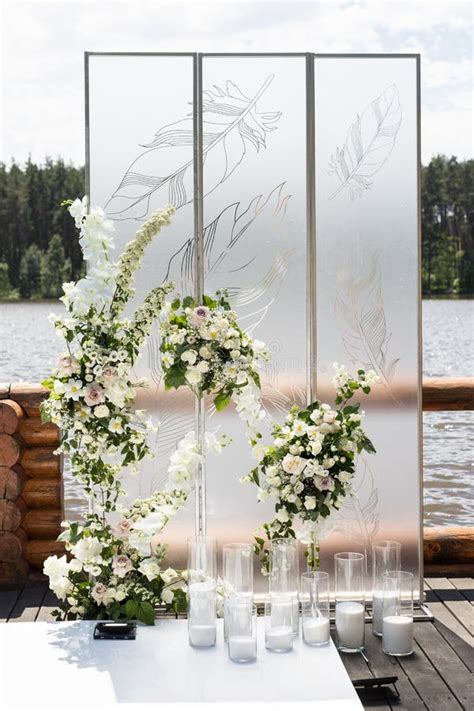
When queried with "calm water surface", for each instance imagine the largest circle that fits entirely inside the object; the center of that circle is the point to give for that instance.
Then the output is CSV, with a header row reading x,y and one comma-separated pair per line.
x,y
29,348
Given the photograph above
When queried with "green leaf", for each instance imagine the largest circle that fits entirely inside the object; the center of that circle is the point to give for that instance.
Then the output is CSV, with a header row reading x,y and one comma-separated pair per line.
x,y
209,302
188,302
221,400
175,376
175,304
146,613
131,609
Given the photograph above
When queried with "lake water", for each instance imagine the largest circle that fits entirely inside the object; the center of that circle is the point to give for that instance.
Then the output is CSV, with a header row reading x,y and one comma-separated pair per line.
x,y
29,347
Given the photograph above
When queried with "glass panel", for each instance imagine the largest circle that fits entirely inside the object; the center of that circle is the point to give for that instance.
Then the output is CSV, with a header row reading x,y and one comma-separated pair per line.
x,y
255,245
130,99
367,282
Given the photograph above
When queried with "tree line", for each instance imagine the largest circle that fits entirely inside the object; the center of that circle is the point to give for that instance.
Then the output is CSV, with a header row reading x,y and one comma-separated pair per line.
x,y
39,247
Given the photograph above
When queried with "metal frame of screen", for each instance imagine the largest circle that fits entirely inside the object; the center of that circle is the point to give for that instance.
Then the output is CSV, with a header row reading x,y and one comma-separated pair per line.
x,y
198,198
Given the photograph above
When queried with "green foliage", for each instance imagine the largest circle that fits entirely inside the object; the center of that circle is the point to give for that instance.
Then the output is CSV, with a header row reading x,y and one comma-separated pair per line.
x,y
55,269
30,272
5,286
30,213
447,214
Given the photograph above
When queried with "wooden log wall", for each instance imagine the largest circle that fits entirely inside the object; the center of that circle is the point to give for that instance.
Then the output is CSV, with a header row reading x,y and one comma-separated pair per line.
x,y
31,485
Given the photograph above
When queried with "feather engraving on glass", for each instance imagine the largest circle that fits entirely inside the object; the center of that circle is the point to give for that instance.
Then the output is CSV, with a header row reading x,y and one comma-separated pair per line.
x,y
360,313
369,142
228,242
231,123
359,518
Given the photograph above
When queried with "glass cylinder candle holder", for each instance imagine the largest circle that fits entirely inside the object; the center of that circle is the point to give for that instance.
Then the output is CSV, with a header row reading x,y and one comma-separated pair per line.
x,y
201,559
350,601
202,591
314,596
237,568
242,629
386,556
279,611
284,573
202,599
397,613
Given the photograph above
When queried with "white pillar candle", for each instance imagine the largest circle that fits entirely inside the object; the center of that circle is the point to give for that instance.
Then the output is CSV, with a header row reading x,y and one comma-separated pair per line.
x,y
397,633
202,635
377,609
284,611
350,618
242,648
316,630
279,639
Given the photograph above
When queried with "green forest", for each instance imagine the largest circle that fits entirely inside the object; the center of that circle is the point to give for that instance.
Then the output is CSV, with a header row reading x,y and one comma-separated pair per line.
x,y
39,247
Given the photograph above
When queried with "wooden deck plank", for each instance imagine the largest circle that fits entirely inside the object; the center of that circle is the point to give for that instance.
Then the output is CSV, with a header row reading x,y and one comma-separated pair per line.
x,y
429,685
357,668
452,598
49,604
385,665
28,603
447,663
465,587
8,599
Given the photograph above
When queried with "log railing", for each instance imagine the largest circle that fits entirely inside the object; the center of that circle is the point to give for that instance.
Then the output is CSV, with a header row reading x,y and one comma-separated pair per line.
x,y
31,484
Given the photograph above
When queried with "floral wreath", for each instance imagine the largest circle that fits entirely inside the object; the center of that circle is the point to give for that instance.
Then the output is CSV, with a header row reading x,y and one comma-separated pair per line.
x,y
117,570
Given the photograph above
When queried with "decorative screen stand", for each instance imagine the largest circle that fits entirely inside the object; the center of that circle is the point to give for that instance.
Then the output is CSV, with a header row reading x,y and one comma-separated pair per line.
x,y
296,183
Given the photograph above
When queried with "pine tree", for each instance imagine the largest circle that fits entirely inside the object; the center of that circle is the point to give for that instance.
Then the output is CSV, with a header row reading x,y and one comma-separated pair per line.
x,y
30,272
5,286
55,269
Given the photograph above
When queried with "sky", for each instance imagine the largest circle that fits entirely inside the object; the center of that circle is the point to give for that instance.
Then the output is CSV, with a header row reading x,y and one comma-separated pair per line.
x,y
41,66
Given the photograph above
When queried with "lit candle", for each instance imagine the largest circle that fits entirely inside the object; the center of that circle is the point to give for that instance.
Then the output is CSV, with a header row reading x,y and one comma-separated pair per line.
x,y
377,609
279,639
316,630
202,635
397,633
350,618
242,648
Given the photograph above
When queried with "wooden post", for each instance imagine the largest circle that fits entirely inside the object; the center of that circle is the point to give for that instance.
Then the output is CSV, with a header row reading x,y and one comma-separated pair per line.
x,y
31,487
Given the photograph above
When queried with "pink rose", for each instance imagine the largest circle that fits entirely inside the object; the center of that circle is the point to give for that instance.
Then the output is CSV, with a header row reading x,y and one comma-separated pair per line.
x,y
68,365
94,394
121,565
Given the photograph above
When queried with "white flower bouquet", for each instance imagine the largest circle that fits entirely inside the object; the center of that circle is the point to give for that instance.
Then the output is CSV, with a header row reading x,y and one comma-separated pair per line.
x,y
204,347
310,466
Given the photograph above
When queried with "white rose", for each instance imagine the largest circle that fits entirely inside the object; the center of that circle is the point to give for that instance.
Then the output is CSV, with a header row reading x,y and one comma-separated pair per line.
x,y
189,357
202,366
87,549
329,416
168,575
149,568
310,503
167,596
283,515
292,464
344,477
101,411
258,452
205,352
193,376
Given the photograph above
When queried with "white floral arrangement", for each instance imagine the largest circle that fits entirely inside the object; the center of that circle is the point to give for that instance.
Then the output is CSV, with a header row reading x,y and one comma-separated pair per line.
x,y
92,389
119,571
204,348
310,465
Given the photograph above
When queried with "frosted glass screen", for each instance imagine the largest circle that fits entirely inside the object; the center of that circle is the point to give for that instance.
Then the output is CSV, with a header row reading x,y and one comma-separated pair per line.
x,y
257,168
367,302
255,245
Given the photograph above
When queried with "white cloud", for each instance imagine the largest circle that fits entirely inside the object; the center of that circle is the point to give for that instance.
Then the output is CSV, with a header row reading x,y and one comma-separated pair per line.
x,y
43,45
